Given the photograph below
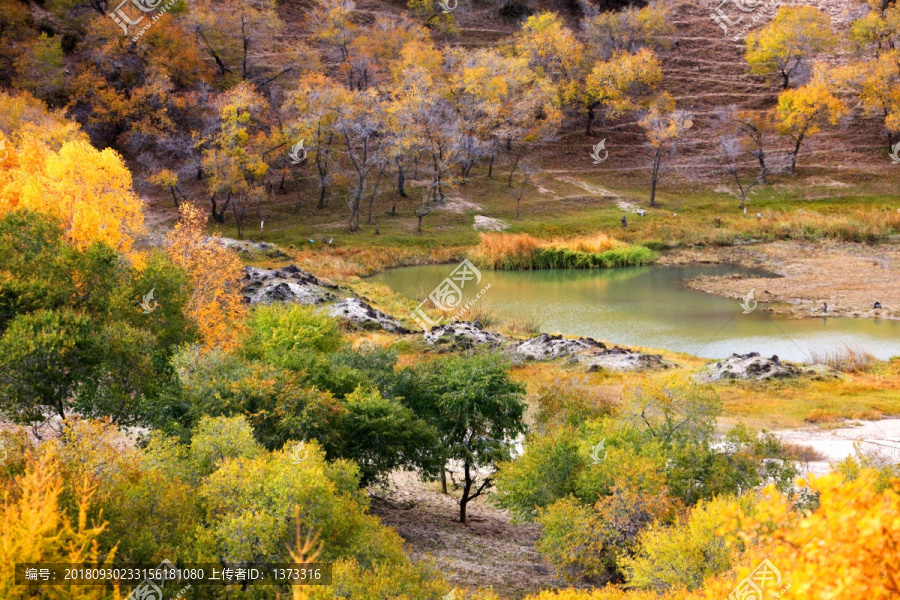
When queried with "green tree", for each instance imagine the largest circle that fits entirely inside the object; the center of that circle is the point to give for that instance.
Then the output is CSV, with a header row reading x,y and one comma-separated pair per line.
x,y
45,358
478,412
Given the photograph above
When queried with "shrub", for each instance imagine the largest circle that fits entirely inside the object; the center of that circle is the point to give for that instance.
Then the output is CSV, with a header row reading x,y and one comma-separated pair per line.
x,y
682,555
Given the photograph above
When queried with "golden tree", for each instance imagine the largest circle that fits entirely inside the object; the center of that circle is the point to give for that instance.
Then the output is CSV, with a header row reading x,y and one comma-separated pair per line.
x,y
801,112
216,304
785,46
35,529
89,190
848,547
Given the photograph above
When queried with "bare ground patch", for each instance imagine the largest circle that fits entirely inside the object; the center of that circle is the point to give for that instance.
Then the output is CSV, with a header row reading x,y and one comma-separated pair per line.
x,y
487,551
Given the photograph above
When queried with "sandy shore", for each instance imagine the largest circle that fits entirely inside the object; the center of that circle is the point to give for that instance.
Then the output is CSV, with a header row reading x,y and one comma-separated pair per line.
x,y
850,278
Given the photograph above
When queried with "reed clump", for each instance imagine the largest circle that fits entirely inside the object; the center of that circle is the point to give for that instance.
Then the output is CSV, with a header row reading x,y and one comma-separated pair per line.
x,y
518,252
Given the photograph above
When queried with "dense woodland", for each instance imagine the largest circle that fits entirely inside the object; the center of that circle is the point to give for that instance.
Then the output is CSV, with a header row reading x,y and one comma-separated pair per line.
x,y
137,437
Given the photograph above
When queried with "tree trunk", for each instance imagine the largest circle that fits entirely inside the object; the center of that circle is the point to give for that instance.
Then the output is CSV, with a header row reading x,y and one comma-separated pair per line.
x,y
762,167
444,469
238,219
419,230
464,501
589,128
374,192
655,176
491,166
401,179
174,197
795,153
513,170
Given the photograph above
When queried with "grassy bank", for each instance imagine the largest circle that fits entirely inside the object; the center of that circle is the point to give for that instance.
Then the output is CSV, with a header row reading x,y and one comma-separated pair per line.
x,y
519,252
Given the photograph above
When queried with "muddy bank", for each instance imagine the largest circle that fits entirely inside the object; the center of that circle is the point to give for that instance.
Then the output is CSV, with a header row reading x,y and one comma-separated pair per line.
x,y
849,278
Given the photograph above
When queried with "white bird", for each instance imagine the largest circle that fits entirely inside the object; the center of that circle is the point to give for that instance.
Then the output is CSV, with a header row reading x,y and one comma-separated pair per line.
x,y
640,212
758,216
745,210
674,214
330,240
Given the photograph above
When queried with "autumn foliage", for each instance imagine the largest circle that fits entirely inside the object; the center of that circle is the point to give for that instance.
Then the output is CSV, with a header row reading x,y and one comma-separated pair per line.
x,y
215,303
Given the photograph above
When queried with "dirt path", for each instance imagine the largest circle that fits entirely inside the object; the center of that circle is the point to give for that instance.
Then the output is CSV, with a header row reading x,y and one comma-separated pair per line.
x,y
487,551
850,278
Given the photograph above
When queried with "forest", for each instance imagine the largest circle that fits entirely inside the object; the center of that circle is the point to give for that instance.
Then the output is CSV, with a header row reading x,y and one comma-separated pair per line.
x,y
221,222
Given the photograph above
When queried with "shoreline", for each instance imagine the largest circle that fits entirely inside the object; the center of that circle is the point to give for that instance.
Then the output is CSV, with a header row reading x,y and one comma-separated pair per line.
x,y
850,278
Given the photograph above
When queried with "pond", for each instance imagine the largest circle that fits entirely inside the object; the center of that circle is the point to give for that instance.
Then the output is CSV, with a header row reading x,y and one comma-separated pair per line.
x,y
652,307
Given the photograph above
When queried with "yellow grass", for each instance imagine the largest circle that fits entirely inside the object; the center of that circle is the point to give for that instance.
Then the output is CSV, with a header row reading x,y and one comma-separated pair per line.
x,y
516,250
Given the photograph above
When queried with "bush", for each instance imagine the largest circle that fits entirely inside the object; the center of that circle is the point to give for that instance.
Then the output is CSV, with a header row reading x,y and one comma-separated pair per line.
x,y
681,556
545,473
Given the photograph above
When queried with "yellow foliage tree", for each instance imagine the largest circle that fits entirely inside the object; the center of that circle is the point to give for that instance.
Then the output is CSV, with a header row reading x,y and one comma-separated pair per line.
x,y
784,46
877,85
615,84
34,529
216,304
848,547
89,190
801,112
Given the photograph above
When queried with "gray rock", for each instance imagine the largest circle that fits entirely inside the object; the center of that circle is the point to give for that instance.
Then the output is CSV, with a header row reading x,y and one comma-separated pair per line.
x,y
748,367
548,347
288,284
462,335
364,316
619,359
250,249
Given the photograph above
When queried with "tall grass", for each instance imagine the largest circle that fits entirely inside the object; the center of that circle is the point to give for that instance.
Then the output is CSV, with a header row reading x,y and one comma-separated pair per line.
x,y
517,252
858,225
844,358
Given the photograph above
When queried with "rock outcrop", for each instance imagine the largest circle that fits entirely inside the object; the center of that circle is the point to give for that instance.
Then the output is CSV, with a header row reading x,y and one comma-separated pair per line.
x,y
287,284
748,367
586,352
548,347
364,316
619,359
462,335
250,249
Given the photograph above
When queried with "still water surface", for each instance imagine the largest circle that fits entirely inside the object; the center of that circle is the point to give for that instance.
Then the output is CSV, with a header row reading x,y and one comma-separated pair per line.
x,y
651,307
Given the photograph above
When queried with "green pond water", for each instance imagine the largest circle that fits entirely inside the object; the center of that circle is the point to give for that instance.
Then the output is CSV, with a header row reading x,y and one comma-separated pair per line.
x,y
652,307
